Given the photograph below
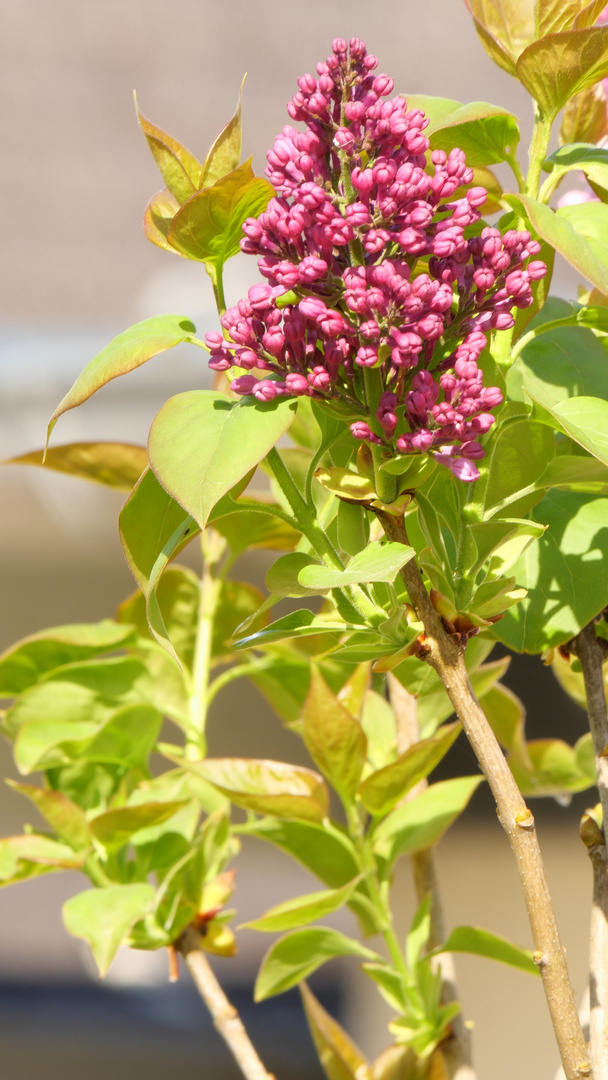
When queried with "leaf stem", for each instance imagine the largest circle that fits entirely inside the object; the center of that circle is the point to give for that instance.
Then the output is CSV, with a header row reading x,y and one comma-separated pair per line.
x,y
210,590
447,658
217,280
239,671
538,150
457,1050
226,1019
589,650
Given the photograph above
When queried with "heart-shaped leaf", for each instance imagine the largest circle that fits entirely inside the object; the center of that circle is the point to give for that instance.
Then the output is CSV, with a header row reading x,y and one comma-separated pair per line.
x,y
577,232
486,133
103,917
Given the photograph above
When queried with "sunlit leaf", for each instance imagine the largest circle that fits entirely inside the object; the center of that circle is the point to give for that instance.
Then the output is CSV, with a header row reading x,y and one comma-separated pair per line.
x,y
302,623
202,443
103,917
486,133
334,739
22,857
385,787
560,65
510,22
379,561
589,159
224,154
340,1058
116,827
179,168
63,815
422,821
552,16
25,662
158,215
585,117
294,957
126,352
208,227
267,787
117,465
303,909
472,939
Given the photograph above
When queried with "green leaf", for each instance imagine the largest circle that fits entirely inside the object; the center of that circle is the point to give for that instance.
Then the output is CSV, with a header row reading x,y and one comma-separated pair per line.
x,y
385,787
422,821
592,160
104,917
340,1058
22,857
208,227
126,352
353,527
238,601
294,957
334,739
179,168
585,419
486,133
390,985
576,472
378,723
202,443
520,455
380,561
117,465
282,578
225,153
63,815
585,117
246,530
303,909
577,232
324,849
567,362
25,662
302,623
128,738
565,574
436,109
555,768
85,692
152,524
560,65
471,939
267,787
116,827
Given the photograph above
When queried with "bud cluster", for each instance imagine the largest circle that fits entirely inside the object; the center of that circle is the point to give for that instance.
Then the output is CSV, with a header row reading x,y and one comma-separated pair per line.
x,y
368,239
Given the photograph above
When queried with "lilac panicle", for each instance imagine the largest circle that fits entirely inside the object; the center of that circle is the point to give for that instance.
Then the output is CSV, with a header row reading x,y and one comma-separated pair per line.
x,y
372,243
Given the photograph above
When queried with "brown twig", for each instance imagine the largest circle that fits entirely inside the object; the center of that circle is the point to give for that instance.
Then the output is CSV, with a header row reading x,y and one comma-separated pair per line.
x,y
447,658
591,652
457,1051
225,1017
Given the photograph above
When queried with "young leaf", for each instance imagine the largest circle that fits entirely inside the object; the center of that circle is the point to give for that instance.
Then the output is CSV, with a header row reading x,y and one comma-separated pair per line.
x,y
521,453
353,527
126,352
294,957
25,662
555,768
117,465
561,65
225,153
420,823
552,16
282,578
585,118
103,917
267,787
208,227
379,561
179,168
486,133
340,1057
199,471
334,739
591,160
246,530
567,362
511,23
472,939
303,909
576,472
585,419
389,983
385,787
63,815
565,573
116,827
22,857
158,215
302,623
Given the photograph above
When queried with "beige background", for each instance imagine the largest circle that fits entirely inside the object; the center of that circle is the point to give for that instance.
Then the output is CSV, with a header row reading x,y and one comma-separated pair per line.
x,y
75,175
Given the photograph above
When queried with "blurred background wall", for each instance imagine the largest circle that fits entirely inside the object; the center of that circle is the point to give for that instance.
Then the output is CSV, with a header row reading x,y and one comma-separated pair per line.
x,y
75,269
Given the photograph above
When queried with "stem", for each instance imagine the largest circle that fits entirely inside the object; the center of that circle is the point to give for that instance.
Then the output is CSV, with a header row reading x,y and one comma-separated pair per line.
x,y
457,1050
217,280
239,671
538,149
588,648
210,591
226,1019
518,174
448,661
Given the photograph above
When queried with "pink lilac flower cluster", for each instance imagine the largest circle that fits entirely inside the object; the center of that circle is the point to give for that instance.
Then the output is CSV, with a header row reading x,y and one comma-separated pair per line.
x,y
368,265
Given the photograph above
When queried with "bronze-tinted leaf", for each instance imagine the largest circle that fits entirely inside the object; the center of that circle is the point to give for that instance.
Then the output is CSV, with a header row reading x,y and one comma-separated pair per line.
x,y
335,740
585,117
117,465
510,23
267,787
225,152
340,1058
561,65
158,216
179,168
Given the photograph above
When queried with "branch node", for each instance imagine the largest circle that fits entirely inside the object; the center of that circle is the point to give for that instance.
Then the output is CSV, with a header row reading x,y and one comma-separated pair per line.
x,y
525,820
584,1069
540,959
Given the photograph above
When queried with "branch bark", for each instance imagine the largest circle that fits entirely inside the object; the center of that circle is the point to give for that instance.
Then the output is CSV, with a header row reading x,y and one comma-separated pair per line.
x,y
225,1017
457,1051
591,652
447,658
